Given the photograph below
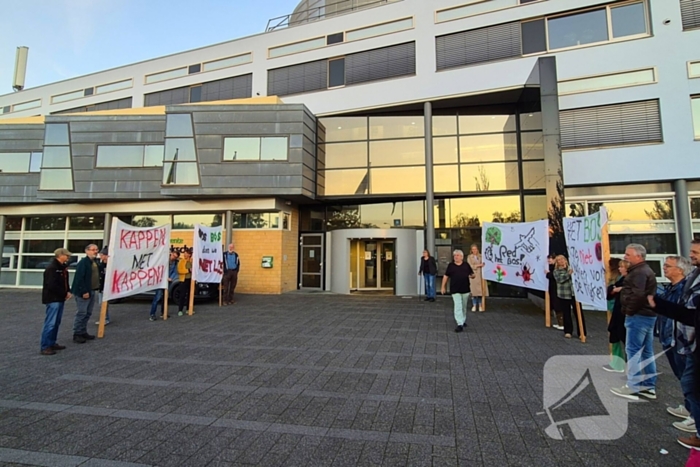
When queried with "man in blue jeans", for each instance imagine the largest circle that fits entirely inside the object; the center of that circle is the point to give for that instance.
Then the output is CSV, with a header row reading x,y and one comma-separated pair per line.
x,y
428,268
173,278
86,286
640,319
54,293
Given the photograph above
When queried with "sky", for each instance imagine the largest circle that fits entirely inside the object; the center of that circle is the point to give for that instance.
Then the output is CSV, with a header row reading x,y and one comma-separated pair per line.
x,y
69,38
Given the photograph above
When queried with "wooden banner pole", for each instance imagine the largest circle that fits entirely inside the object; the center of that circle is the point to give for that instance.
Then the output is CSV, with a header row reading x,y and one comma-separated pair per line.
x,y
103,317
581,331
190,311
221,296
547,310
165,303
605,243
483,292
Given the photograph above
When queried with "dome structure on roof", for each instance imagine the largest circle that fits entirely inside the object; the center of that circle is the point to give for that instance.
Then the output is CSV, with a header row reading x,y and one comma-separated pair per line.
x,y
312,10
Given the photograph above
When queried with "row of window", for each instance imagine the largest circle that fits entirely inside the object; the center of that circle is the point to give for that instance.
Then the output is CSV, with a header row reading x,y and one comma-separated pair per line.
x,y
101,89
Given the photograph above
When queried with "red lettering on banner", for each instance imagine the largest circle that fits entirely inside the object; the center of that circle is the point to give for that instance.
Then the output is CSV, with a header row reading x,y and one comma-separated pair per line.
x,y
142,239
205,264
127,281
219,267
585,257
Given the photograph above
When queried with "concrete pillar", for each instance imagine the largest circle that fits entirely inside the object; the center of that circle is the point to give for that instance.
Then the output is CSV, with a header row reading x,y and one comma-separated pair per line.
x,y
229,227
683,221
429,189
551,138
2,238
108,229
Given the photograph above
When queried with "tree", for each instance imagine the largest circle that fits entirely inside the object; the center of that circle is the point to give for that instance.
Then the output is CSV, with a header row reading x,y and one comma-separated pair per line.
x,y
347,219
511,218
464,220
144,222
661,211
555,214
482,181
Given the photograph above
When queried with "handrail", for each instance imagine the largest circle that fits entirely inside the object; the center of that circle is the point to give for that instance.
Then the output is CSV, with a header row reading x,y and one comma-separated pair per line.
x,y
318,13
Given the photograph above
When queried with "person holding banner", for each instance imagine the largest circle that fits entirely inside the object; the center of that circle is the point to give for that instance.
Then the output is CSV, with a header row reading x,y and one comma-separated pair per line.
x,y
565,295
476,284
553,301
86,286
232,264
173,280
54,293
459,274
184,270
102,265
617,334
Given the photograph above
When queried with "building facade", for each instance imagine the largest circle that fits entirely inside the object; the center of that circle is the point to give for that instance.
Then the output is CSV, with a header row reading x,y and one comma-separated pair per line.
x,y
351,134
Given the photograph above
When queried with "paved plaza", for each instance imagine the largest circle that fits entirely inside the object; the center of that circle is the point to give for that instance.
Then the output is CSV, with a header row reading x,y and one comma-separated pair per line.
x,y
304,379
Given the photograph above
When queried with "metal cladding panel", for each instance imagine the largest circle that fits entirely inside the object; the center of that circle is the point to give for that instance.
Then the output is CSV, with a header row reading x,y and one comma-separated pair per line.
x,y
83,149
32,133
168,97
125,103
384,63
237,87
257,129
295,79
247,116
250,169
479,46
86,126
153,174
21,145
210,142
155,137
690,14
611,125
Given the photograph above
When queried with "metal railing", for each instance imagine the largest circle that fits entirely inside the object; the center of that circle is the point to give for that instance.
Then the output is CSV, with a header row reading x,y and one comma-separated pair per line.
x,y
324,10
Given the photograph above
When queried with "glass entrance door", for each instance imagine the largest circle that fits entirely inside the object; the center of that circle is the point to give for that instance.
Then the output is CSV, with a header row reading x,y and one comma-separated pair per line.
x,y
388,271
372,265
311,266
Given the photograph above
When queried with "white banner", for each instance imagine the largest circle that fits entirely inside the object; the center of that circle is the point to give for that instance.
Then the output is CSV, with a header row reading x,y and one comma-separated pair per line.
x,y
584,241
138,260
516,254
207,257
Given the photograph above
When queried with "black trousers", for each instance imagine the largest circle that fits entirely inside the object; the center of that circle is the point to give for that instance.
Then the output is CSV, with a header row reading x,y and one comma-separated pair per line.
x,y
567,306
184,297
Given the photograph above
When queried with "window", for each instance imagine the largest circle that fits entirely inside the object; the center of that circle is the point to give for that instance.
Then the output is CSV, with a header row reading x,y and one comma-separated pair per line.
x,y
124,84
67,96
256,220
345,128
165,75
461,11
611,125
534,36
178,125
256,149
608,81
379,29
196,94
628,20
86,223
89,91
482,45
26,105
56,168
695,105
56,134
694,69
335,38
15,162
296,47
192,69
336,72
129,156
227,62
690,14
35,162
45,223
187,221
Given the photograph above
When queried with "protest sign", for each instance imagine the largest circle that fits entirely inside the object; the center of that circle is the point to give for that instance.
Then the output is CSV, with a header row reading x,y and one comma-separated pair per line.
x,y
585,243
138,260
516,254
207,258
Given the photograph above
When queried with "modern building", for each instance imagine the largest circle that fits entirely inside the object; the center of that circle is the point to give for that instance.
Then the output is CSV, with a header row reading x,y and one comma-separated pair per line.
x,y
352,133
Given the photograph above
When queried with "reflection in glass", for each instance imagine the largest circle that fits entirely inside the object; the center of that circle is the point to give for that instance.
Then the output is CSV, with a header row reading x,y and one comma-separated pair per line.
x,y
41,246
395,127
150,220
170,74
187,221
120,156
78,246
36,262
622,211
12,224
628,20
273,149
414,214
153,156
444,125
178,125
489,177
346,182
56,179
397,152
533,175
535,208
45,223
336,72
380,29
297,47
86,223
14,162
486,148
241,149
382,215
180,173
655,243
345,128
180,149
530,121
476,124
446,178
56,157
532,145
465,212
35,162
615,80
579,29
56,134
227,62
342,155
445,150
113,86
397,180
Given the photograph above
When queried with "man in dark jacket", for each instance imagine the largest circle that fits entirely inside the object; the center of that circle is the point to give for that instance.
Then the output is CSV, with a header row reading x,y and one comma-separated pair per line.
x,y
428,267
54,293
232,264
639,283
86,286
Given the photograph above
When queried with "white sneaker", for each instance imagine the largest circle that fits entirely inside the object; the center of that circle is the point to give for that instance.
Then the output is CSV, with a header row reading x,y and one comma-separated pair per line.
x,y
610,369
680,411
106,322
687,425
474,308
556,326
626,392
